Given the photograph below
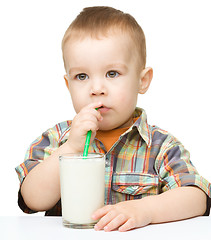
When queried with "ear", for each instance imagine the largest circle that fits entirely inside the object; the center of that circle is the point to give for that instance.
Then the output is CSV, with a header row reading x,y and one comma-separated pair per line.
x,y
145,79
66,81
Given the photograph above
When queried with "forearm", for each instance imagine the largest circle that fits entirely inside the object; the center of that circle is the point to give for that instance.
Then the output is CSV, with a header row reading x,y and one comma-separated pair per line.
x,y
176,204
41,187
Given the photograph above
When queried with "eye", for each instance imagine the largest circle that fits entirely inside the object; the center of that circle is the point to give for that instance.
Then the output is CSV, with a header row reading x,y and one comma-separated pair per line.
x,y
112,74
82,76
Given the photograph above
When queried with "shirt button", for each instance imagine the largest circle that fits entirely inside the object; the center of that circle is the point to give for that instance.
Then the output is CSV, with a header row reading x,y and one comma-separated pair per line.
x,y
107,162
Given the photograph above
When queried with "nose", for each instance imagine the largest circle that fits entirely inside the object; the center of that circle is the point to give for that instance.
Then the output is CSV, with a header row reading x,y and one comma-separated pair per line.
x,y
98,88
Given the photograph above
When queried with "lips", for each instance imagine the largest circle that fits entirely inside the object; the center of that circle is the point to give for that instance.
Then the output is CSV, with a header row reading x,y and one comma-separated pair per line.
x,y
103,109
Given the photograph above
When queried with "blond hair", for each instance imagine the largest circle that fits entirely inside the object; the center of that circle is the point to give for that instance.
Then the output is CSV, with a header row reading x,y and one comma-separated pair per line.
x,y
99,21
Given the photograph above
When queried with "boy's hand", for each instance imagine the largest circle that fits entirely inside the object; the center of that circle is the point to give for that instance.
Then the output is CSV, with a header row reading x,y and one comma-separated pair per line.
x,y
122,216
172,205
87,119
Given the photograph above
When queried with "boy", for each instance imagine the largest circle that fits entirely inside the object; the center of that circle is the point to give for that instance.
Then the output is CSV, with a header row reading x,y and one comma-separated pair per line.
x,y
104,57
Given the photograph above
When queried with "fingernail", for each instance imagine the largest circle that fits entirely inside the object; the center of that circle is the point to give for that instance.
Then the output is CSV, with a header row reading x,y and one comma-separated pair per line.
x,y
105,228
96,228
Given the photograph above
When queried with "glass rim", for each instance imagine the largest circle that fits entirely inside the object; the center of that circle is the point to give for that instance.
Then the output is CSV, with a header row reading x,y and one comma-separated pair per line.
x,y
80,156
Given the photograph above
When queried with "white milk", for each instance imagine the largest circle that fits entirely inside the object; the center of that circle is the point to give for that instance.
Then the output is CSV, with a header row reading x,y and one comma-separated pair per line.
x,y
82,187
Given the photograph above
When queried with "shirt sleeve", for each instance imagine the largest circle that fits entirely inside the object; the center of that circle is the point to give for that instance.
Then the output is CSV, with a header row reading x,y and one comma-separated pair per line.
x,y
37,152
175,169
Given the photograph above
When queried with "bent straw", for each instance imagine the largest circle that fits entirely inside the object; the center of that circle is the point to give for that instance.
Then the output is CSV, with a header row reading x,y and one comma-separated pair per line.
x,y
87,142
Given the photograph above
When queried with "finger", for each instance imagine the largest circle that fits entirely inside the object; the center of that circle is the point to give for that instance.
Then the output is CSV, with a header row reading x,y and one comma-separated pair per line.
x,y
96,114
105,220
94,105
101,212
88,112
87,121
129,224
115,223
90,126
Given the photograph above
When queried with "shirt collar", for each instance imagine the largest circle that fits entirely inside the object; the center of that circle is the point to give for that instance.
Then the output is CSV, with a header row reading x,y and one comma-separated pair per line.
x,y
142,126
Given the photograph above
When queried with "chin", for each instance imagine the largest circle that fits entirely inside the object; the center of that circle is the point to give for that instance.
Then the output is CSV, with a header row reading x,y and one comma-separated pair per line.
x,y
107,127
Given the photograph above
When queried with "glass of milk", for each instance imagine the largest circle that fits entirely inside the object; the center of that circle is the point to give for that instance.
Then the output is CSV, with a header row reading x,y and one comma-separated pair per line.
x,y
82,182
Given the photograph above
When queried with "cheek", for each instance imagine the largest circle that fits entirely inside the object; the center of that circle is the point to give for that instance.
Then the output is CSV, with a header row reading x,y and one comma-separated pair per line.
x,y
127,95
77,100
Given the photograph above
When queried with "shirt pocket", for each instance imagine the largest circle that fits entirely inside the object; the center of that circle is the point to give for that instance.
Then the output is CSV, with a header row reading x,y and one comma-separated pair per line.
x,y
135,183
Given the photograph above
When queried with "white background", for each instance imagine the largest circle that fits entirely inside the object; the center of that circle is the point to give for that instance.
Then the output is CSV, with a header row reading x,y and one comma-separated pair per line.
x,y
33,95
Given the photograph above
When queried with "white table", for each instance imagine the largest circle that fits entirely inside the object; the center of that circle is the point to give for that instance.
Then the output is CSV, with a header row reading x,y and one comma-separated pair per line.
x,y
43,228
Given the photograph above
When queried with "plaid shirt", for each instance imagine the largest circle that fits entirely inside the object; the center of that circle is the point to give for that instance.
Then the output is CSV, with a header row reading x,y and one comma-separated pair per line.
x,y
146,160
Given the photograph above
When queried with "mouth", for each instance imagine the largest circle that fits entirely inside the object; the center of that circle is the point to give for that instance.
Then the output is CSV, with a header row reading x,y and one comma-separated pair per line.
x,y
103,109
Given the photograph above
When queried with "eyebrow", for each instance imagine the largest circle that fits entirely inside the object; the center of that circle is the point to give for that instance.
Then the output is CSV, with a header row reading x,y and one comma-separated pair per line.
x,y
117,65
75,69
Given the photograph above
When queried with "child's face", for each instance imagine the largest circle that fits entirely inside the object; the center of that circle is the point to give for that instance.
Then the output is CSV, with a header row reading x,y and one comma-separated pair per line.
x,y
104,70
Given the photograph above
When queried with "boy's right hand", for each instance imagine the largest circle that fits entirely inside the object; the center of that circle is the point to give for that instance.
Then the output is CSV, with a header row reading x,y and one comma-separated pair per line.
x,y
87,119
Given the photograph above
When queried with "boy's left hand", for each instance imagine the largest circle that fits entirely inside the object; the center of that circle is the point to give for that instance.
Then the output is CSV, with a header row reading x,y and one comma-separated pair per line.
x,y
122,216
173,205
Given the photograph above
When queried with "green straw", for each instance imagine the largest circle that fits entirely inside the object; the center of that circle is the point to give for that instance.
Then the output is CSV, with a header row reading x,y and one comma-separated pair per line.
x,y
87,142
